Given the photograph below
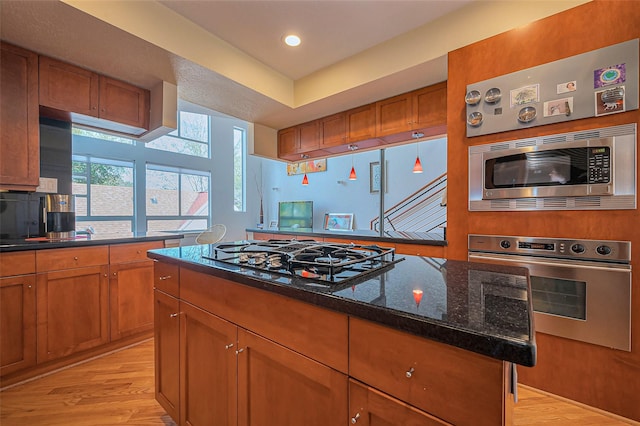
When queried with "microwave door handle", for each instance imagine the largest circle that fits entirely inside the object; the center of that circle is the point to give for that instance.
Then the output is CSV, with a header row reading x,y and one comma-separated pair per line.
x,y
44,219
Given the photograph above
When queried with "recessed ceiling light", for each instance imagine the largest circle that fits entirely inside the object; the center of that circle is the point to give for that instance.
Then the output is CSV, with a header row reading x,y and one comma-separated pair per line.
x,y
292,40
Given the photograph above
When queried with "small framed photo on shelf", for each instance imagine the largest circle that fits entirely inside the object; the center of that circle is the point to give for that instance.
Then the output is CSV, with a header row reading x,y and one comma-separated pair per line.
x,y
338,221
273,224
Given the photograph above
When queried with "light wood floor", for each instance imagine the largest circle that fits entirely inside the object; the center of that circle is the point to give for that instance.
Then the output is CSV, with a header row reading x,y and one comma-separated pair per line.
x,y
119,389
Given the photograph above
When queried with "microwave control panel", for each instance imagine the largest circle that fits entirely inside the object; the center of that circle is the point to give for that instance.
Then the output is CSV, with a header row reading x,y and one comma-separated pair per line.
x,y
599,165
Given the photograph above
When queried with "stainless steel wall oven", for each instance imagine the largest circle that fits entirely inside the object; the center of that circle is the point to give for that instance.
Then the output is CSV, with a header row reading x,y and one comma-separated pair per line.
x,y
581,289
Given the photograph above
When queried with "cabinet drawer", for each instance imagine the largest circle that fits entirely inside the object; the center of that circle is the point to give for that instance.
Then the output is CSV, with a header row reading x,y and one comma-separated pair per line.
x,y
315,332
429,375
68,258
166,278
133,252
17,263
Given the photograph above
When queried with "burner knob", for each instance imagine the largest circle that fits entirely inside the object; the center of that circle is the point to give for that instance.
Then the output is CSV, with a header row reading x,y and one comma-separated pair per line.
x,y
505,244
578,248
603,250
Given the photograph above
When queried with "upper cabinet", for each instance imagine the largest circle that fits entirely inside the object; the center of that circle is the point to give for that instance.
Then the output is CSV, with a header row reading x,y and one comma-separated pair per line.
x,y
19,125
393,120
92,99
421,111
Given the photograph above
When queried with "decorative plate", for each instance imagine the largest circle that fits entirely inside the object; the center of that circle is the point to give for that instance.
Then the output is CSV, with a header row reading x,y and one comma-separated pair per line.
x,y
492,96
527,114
473,97
474,119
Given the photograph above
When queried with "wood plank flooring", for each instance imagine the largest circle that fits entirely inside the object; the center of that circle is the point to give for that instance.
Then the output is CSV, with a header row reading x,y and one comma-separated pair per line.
x,y
119,389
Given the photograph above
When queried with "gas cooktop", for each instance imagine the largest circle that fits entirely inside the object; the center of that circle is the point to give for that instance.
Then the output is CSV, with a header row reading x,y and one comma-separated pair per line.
x,y
308,259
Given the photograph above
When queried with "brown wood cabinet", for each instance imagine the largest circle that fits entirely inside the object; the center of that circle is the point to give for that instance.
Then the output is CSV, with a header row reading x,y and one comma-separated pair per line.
x,y
72,310
167,353
457,386
370,407
19,119
277,386
389,121
423,111
17,323
131,288
208,368
66,87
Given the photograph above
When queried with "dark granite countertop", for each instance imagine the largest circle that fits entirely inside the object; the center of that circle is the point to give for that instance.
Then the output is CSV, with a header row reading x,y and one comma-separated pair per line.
x,y
84,241
474,306
422,238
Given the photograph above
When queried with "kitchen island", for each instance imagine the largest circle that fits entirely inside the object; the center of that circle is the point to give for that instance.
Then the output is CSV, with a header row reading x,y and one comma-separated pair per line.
x,y
420,341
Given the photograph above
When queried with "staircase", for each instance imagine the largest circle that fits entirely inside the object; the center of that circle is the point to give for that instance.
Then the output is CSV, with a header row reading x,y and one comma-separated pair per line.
x,y
424,211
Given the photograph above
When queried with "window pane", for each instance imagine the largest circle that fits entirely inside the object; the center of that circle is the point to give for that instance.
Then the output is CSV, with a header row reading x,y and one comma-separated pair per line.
x,y
105,227
239,170
98,135
195,195
81,205
194,126
111,190
180,146
177,224
162,193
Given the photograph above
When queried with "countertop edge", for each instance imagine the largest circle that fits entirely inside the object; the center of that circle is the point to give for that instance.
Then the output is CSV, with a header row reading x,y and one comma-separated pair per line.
x,y
505,349
82,242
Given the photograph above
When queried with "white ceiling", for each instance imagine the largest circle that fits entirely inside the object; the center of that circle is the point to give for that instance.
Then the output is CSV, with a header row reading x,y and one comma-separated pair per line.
x,y
228,56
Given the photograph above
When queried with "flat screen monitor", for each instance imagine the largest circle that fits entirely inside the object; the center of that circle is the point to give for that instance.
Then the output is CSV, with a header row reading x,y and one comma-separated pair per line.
x,y
295,216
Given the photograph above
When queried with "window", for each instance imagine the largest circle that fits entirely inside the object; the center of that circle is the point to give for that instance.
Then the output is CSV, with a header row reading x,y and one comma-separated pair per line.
x,y
176,199
190,138
104,190
239,155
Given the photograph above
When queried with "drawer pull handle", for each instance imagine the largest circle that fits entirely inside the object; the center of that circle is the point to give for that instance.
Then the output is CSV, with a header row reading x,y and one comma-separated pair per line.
x,y
173,315
229,346
75,257
355,418
409,372
165,278
239,350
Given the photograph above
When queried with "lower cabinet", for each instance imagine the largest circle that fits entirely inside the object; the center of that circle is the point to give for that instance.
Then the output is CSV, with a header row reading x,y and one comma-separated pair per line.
x,y
167,352
72,311
369,407
277,386
18,325
131,298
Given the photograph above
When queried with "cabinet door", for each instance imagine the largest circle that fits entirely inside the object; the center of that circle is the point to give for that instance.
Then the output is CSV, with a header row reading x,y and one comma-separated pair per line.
x,y
430,106
17,323
369,407
124,103
19,125
68,88
288,143
277,386
308,136
361,123
333,130
131,298
394,115
72,311
208,387
167,353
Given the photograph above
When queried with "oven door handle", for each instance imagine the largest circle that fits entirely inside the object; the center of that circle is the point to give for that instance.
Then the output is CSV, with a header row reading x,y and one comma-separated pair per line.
x,y
559,263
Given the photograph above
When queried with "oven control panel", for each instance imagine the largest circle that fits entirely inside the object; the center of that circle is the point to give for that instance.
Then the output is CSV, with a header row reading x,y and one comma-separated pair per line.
x,y
612,251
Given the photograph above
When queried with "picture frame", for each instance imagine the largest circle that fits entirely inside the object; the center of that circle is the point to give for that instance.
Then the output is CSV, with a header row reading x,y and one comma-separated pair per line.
x,y
273,224
338,221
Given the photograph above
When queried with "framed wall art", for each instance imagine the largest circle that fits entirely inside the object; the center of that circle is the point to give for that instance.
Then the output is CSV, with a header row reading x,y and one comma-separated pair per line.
x,y
338,221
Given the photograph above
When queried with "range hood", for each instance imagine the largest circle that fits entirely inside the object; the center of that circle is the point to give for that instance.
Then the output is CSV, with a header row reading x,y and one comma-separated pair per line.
x,y
163,117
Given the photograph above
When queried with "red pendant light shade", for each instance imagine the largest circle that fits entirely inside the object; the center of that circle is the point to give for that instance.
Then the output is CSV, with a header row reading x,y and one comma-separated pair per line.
x,y
352,175
305,180
417,168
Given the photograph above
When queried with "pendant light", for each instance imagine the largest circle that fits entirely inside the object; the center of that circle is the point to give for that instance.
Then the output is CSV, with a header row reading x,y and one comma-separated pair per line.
x,y
417,167
305,180
352,174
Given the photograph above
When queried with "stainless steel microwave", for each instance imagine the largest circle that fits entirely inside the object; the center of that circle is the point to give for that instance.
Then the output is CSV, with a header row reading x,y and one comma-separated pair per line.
x,y
582,170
